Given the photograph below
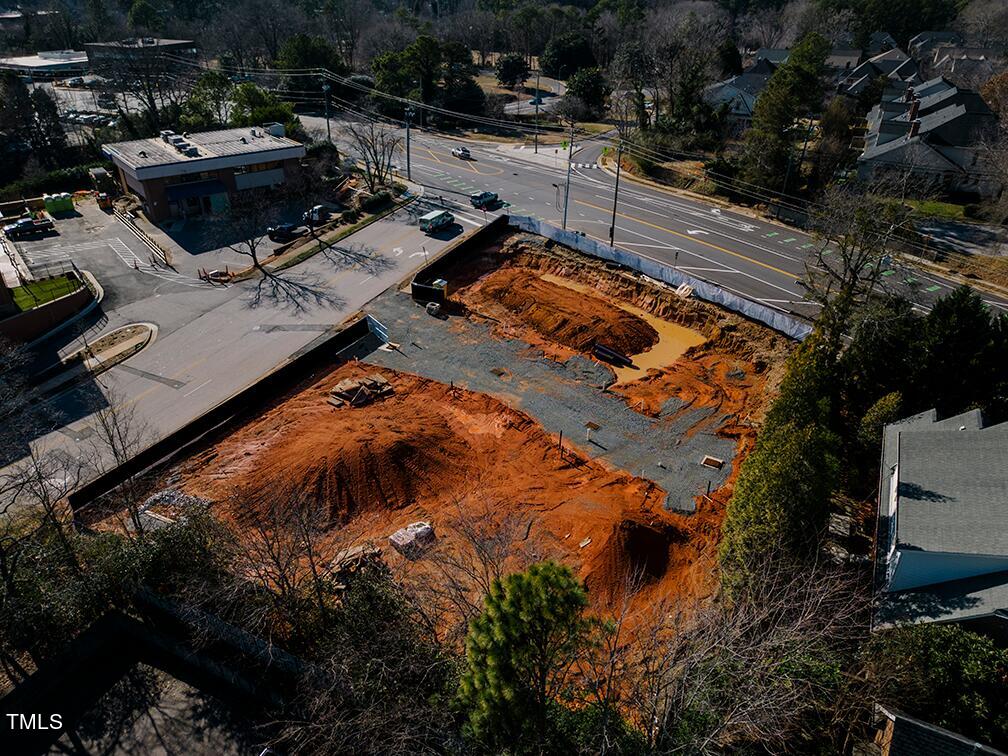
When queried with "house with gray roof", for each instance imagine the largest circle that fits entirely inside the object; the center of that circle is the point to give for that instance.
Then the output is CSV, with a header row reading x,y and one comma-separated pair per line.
x,y
892,64
942,533
932,131
880,42
737,96
922,45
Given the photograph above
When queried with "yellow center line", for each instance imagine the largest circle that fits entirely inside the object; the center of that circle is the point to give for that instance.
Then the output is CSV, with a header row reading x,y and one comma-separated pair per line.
x,y
694,239
433,155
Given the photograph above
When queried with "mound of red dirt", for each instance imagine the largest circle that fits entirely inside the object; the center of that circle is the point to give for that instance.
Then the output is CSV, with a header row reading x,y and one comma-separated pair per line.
x,y
429,452
567,317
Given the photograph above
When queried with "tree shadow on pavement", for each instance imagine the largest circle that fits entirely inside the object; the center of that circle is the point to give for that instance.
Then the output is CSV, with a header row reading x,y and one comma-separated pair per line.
x,y
358,256
295,293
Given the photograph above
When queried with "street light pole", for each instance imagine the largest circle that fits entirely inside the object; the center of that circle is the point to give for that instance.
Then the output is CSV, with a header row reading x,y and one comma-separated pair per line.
x,y
536,135
570,156
619,162
409,120
328,129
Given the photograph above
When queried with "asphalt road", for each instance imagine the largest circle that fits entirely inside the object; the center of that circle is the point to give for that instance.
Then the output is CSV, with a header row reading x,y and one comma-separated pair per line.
x,y
214,341
755,258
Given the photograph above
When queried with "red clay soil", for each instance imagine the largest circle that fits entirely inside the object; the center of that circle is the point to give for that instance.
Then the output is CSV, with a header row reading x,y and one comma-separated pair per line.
x,y
568,317
429,450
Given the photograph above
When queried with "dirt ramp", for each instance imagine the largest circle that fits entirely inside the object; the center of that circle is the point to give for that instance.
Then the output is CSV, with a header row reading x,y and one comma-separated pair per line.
x,y
567,317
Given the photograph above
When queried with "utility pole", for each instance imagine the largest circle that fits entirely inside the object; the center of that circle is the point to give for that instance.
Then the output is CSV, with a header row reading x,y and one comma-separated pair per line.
x,y
570,156
409,119
328,129
536,137
619,161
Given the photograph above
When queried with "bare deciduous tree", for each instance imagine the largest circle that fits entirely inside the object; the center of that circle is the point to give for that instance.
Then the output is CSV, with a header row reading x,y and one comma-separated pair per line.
x,y
705,677
377,145
857,235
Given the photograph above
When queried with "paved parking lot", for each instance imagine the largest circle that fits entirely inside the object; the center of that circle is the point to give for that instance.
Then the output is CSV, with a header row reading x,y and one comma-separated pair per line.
x,y
211,340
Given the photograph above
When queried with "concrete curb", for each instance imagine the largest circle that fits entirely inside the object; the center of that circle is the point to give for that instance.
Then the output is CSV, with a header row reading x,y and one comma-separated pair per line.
x,y
97,365
98,297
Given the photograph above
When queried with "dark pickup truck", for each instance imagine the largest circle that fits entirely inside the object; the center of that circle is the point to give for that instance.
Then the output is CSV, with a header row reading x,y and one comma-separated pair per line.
x,y
27,228
483,200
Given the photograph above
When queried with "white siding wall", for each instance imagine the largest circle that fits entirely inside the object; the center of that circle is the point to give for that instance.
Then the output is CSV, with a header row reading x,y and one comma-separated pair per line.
x,y
258,179
915,569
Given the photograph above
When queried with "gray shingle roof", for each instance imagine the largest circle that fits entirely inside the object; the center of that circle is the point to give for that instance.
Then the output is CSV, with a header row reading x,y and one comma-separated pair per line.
x,y
953,491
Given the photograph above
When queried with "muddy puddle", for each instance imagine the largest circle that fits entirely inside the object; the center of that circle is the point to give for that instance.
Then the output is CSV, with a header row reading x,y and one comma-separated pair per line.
x,y
673,339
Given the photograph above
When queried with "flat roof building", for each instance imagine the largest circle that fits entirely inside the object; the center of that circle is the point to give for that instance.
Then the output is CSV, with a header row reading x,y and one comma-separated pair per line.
x,y
48,64
186,175
106,53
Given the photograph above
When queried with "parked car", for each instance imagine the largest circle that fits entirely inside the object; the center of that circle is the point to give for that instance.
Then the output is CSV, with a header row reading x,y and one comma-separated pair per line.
x,y
76,81
27,227
436,220
484,200
315,215
283,232
462,153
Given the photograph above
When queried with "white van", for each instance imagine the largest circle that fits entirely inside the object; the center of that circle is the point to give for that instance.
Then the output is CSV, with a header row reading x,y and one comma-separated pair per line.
x,y
436,220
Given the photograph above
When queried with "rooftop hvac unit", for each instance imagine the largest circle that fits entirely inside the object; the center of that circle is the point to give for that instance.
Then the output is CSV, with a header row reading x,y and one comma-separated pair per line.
x,y
182,146
192,151
167,134
176,139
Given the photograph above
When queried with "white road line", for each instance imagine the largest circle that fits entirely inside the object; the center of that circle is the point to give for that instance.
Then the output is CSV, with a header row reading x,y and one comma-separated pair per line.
x,y
716,262
193,391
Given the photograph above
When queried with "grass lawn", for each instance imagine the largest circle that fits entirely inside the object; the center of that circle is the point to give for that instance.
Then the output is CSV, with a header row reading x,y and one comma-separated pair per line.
x,y
39,292
935,209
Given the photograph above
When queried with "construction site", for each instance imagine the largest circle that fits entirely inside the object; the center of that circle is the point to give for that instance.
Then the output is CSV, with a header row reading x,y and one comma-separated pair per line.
x,y
603,412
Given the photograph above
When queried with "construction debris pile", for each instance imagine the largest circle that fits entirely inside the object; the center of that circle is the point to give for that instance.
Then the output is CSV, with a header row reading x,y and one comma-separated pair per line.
x,y
413,540
359,392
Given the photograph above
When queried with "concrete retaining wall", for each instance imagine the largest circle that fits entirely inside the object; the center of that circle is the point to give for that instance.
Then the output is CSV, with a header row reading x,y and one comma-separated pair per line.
x,y
31,324
421,288
667,274
225,415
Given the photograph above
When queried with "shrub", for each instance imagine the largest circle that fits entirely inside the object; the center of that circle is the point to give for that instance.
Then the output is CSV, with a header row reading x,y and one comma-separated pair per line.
x,y
371,203
61,180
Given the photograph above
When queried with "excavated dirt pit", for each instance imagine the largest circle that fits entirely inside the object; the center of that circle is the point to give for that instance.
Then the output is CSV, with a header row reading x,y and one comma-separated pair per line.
x,y
687,351
437,452
433,452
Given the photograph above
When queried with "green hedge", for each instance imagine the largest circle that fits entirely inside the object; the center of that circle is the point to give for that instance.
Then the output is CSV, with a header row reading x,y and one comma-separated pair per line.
x,y
61,180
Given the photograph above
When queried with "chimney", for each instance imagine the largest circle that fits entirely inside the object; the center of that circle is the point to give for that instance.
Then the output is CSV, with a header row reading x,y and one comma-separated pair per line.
x,y
914,107
914,128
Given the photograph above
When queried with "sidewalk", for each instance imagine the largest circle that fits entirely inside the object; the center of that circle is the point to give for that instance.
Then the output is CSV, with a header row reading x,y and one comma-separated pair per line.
x,y
101,357
11,265
549,155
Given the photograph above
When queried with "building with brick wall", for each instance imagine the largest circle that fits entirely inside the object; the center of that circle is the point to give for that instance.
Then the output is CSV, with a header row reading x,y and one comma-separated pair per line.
x,y
189,175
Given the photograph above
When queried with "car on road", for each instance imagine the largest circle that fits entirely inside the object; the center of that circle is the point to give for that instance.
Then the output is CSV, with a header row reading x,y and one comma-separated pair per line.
x,y
283,232
315,215
27,227
462,153
435,220
536,101
484,200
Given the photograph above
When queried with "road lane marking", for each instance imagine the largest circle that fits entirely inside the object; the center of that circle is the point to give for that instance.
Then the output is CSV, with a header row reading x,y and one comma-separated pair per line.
x,y
193,391
698,241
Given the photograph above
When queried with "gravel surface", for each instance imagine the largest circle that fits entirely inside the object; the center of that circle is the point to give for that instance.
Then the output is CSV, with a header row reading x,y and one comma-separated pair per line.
x,y
563,396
